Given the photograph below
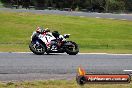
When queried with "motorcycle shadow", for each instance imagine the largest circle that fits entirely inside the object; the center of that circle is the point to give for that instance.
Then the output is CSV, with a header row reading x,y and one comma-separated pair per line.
x,y
49,54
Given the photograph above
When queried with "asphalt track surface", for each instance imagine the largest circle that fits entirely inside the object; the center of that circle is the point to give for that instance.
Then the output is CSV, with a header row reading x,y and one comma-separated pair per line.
x,y
27,66
73,13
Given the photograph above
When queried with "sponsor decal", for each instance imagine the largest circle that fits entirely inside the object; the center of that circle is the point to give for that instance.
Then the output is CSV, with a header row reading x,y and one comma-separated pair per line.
x,y
83,78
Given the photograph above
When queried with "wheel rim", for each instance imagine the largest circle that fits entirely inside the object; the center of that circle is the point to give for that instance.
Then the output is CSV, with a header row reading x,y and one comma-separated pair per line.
x,y
73,48
38,47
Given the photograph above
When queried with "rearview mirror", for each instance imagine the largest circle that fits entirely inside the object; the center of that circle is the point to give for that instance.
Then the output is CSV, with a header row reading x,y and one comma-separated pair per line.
x,y
66,35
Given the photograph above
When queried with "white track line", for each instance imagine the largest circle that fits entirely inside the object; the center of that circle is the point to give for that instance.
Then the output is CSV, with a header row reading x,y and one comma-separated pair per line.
x,y
123,19
20,52
82,16
92,53
105,54
112,18
97,17
79,53
123,14
127,70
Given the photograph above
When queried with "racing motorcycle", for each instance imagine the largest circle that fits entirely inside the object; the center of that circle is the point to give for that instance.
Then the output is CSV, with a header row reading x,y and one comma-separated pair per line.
x,y
41,44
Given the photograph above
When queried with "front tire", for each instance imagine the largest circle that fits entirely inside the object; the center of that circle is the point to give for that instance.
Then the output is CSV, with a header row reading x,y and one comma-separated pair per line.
x,y
37,49
72,49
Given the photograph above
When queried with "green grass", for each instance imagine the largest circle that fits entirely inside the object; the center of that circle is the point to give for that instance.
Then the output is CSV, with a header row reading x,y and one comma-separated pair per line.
x,y
92,35
59,84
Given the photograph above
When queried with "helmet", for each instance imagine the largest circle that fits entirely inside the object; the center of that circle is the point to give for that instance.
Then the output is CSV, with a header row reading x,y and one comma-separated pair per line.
x,y
55,34
39,30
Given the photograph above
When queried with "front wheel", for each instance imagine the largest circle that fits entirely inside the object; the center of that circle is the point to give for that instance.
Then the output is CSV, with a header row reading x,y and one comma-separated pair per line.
x,y
37,49
72,48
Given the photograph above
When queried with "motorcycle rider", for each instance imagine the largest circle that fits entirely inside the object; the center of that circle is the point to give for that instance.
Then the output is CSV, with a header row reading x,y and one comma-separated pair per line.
x,y
54,43
59,38
41,30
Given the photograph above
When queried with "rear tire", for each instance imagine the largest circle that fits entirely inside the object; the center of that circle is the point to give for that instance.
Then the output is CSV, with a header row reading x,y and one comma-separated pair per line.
x,y
74,50
35,50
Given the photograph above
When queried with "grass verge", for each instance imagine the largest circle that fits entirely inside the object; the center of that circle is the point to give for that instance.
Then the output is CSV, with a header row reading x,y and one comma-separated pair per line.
x,y
92,35
59,84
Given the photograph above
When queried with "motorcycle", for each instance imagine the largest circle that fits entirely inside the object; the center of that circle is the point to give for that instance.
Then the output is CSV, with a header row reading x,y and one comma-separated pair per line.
x,y
41,44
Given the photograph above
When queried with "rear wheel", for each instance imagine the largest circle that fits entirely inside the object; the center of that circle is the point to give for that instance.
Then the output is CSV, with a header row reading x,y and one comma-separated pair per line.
x,y
72,49
37,49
